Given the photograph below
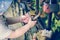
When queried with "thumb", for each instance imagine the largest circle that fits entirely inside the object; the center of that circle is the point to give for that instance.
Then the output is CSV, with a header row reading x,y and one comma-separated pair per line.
x,y
35,22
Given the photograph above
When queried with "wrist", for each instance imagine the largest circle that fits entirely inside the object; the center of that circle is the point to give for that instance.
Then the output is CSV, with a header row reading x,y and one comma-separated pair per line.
x,y
28,25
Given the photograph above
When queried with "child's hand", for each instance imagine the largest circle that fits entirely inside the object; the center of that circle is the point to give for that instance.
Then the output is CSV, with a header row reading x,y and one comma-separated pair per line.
x,y
31,23
25,18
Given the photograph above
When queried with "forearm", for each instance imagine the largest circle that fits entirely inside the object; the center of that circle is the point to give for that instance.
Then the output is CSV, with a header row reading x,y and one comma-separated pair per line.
x,y
13,20
20,31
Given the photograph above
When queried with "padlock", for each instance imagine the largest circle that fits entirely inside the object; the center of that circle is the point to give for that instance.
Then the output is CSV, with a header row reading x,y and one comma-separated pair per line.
x,y
46,33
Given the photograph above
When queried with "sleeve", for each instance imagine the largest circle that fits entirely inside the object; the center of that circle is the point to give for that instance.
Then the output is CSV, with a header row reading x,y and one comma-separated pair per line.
x,y
4,30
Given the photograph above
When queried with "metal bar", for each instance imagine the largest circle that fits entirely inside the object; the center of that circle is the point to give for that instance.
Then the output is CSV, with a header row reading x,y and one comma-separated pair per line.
x,y
49,21
37,7
39,18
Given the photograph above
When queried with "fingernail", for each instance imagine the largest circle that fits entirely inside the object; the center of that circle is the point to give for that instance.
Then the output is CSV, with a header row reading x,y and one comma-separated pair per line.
x,y
35,21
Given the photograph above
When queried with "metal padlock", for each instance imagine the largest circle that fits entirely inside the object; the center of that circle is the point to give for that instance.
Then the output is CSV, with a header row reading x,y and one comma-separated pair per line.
x,y
47,33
